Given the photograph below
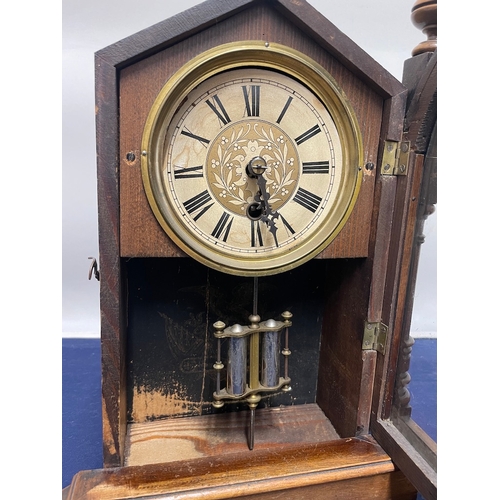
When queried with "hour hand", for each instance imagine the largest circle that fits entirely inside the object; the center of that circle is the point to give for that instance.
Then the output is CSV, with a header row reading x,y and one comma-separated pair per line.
x,y
255,169
261,210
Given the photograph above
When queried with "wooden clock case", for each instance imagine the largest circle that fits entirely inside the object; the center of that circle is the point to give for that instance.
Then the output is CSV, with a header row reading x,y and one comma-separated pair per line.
x,y
330,437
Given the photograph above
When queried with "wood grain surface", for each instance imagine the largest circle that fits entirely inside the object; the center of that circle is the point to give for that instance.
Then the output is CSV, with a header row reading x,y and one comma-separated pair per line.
x,y
176,439
141,235
345,469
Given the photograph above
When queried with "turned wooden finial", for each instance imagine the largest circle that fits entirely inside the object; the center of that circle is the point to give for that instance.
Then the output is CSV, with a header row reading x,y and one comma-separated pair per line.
x,y
424,17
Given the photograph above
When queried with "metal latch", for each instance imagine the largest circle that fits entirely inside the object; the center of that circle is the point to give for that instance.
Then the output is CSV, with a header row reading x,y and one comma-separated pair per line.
x,y
94,269
375,337
395,158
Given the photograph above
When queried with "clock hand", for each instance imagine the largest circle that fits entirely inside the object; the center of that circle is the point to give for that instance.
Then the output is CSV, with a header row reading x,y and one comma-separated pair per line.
x,y
264,195
256,168
269,220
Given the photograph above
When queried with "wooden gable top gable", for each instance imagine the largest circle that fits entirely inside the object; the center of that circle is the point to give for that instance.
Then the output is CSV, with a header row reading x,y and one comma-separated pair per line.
x,y
300,13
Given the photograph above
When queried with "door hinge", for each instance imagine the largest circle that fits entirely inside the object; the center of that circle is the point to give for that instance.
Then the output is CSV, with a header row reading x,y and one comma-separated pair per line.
x,y
375,337
395,158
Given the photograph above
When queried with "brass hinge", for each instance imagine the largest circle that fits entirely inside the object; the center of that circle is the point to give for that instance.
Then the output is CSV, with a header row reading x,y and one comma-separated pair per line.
x,y
395,158
375,337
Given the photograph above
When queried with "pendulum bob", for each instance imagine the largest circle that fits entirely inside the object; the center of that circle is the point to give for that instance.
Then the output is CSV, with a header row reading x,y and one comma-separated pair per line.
x,y
259,343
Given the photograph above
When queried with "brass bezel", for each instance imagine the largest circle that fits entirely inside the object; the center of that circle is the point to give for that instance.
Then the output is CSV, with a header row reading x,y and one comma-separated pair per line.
x,y
266,56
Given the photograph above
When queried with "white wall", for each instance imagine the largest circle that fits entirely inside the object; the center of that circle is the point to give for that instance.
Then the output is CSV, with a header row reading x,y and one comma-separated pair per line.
x,y
382,28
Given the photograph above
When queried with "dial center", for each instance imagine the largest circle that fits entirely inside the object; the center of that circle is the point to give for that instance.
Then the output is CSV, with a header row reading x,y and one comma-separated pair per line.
x,y
256,166
239,144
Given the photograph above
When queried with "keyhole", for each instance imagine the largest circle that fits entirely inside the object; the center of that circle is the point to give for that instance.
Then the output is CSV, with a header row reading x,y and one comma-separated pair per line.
x,y
254,211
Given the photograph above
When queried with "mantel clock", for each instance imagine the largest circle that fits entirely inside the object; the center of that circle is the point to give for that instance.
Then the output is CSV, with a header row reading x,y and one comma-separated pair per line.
x,y
260,183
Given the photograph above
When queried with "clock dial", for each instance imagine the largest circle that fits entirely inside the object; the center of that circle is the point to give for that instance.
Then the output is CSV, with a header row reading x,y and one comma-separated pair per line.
x,y
225,123
248,170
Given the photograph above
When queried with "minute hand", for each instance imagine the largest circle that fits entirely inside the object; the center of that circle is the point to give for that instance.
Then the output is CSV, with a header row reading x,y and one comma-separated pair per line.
x,y
268,215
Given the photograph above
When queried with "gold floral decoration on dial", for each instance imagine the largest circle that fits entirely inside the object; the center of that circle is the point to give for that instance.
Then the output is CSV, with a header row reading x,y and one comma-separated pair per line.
x,y
231,152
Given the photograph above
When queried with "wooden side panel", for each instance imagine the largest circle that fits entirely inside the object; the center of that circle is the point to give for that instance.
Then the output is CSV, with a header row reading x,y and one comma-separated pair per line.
x,y
111,278
141,235
340,361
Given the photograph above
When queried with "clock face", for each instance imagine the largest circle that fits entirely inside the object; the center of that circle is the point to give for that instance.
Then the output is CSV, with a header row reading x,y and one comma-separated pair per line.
x,y
249,172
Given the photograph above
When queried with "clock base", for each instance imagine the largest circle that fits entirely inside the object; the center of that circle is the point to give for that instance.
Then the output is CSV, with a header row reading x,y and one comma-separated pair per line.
x,y
352,468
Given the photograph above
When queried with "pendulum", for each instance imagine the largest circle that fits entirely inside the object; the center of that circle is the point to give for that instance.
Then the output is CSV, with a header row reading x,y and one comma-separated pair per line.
x,y
258,347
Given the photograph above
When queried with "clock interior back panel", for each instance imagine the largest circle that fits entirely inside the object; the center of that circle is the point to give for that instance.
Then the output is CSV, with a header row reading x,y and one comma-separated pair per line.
x,y
172,305
140,233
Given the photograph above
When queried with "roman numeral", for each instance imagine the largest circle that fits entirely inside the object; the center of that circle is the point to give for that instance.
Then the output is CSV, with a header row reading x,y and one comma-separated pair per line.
x,y
308,134
198,202
219,110
188,172
307,199
256,234
187,133
252,100
284,110
223,226
315,167
287,225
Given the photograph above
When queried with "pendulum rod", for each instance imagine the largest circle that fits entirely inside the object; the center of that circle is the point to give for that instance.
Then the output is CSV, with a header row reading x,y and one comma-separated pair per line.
x,y
253,399
255,295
